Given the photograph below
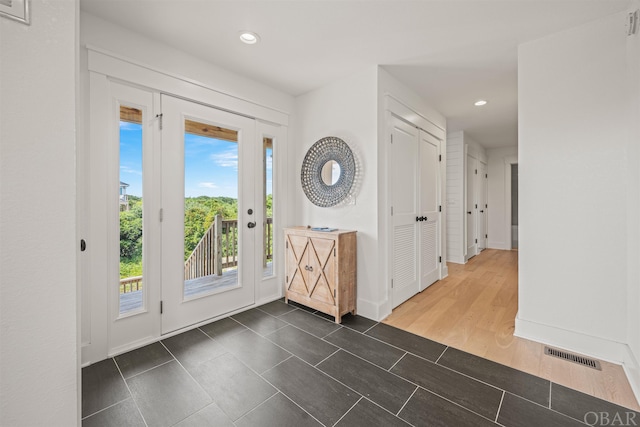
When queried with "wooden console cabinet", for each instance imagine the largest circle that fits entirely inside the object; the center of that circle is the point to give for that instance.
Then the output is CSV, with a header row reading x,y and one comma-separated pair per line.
x,y
320,269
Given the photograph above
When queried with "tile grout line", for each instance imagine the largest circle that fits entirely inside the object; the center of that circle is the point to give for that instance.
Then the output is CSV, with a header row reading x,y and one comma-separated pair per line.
x,y
388,411
320,362
193,379
405,403
218,339
257,406
107,407
454,403
475,379
280,391
150,369
397,361
348,410
365,332
499,407
246,366
441,354
129,390
274,366
550,390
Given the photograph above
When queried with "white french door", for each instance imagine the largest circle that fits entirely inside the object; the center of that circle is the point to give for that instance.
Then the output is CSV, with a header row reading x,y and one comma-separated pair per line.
x,y
415,217
429,197
404,191
209,163
182,213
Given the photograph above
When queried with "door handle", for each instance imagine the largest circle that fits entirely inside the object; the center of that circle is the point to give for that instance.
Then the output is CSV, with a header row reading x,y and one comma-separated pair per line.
x,y
469,212
251,224
481,211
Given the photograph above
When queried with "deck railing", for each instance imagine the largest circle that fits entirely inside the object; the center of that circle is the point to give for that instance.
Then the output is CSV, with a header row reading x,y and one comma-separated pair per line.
x,y
216,251
130,284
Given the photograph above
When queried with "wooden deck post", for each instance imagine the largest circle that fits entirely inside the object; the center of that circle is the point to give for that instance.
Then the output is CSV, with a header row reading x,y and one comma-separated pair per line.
x,y
217,235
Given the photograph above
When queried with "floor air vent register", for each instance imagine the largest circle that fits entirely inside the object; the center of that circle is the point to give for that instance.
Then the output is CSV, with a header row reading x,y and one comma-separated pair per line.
x,y
580,360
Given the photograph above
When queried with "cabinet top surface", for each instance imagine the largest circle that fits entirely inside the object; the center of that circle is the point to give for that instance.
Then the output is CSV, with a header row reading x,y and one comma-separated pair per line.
x,y
309,230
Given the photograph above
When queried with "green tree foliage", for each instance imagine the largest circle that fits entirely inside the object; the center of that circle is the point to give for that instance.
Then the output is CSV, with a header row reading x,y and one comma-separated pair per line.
x,y
131,230
200,213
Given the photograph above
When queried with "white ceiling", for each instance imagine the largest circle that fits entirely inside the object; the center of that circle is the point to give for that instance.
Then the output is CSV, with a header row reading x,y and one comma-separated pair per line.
x,y
451,52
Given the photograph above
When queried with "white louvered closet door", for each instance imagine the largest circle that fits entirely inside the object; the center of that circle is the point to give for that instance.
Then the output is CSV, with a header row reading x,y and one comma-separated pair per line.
x,y
429,200
404,176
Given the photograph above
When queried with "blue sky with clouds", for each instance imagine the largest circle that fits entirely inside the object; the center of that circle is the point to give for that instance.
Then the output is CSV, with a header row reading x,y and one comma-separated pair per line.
x,y
211,165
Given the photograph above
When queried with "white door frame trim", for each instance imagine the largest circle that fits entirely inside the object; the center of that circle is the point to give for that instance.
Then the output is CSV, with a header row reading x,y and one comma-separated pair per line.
x,y
508,161
104,67
394,106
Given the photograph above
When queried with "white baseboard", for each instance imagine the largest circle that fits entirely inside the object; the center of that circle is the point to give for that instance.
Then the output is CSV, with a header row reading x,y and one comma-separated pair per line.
x,y
632,370
456,259
371,310
498,245
599,348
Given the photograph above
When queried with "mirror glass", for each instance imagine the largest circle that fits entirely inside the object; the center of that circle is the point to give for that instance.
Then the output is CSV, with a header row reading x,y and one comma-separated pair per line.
x,y
330,172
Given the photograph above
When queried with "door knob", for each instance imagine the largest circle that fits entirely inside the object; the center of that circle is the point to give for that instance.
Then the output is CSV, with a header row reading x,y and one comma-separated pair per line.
x,y
251,224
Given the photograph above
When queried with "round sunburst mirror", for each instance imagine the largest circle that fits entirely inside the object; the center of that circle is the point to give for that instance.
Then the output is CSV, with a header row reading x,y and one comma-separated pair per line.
x,y
328,172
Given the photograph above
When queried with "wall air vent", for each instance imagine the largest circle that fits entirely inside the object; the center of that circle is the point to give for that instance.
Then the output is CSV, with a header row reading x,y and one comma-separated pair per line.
x,y
580,360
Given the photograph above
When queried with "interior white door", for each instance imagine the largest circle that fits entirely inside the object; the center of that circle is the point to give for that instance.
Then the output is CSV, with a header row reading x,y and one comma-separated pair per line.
x,y
481,181
404,180
192,290
429,215
471,207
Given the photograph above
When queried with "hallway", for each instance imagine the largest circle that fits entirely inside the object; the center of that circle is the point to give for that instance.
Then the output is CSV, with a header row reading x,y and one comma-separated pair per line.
x,y
474,310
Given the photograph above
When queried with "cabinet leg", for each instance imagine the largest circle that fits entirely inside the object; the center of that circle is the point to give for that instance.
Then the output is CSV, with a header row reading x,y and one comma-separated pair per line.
x,y
353,312
286,300
338,319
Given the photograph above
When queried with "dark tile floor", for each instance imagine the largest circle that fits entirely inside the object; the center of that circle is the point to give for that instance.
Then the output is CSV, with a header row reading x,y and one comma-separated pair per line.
x,y
284,365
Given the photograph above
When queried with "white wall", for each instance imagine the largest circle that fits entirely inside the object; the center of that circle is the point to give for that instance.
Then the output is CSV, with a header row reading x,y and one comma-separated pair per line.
x,y
459,147
346,109
97,32
39,367
633,207
499,165
574,186
455,197
353,109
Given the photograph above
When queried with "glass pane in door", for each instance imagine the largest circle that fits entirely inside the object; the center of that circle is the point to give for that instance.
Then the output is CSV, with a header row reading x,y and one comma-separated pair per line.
x,y
210,209
130,205
267,253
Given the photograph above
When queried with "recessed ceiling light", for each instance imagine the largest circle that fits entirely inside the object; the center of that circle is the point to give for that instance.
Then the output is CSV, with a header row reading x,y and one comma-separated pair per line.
x,y
248,37
480,103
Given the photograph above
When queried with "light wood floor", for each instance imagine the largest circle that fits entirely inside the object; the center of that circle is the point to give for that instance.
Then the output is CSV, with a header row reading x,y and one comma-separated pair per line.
x,y
474,310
